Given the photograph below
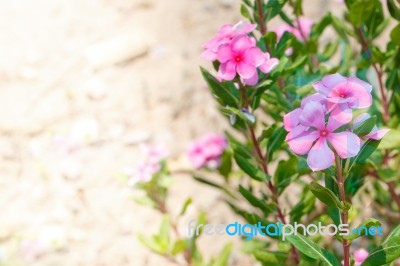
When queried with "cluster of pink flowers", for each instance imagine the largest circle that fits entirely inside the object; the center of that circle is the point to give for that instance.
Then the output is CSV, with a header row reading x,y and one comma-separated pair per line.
x,y
237,53
316,127
207,151
150,163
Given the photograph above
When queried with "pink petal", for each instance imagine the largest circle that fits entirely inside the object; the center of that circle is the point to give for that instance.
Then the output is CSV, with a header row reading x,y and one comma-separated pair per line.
x,y
224,53
227,71
291,120
377,135
302,143
246,71
320,156
342,113
316,97
296,132
362,97
252,80
366,85
321,88
346,144
241,43
332,80
269,65
243,27
208,55
334,124
253,56
313,115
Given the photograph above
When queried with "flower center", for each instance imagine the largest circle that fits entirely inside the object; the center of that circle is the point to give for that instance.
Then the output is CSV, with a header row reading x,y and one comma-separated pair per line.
x,y
324,133
238,59
342,95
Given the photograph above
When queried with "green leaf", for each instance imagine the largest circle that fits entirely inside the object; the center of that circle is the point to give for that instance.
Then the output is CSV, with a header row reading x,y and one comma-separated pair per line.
x,y
286,172
366,127
223,256
361,10
245,12
225,167
298,63
311,249
366,150
179,247
215,185
275,141
391,140
371,222
384,254
223,95
254,201
249,168
387,252
188,201
271,258
324,195
395,34
394,9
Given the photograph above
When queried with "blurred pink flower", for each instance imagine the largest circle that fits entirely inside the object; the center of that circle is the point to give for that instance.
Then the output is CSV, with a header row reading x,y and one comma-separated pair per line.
x,y
316,135
224,35
344,94
207,150
359,256
301,30
149,165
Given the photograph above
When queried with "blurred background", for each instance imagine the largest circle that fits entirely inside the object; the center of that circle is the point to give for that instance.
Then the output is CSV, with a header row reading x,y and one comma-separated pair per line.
x,y
82,85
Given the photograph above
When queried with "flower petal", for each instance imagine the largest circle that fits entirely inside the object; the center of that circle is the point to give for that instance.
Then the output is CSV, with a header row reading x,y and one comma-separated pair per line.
x,y
342,113
320,156
321,88
241,43
362,97
334,124
332,80
227,71
302,143
252,80
291,120
224,53
313,115
253,56
377,135
346,144
366,85
246,71
269,65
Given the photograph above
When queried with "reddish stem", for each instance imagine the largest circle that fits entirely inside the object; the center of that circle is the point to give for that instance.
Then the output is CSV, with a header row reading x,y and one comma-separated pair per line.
x,y
379,74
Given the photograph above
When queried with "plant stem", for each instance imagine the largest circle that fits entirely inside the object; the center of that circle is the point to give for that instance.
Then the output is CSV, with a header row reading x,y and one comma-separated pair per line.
x,y
264,166
261,21
379,74
343,213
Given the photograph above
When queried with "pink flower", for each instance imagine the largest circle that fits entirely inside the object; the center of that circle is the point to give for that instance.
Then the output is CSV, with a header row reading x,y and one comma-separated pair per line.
x,y
243,57
301,30
360,256
344,94
207,150
225,34
149,165
315,134
375,133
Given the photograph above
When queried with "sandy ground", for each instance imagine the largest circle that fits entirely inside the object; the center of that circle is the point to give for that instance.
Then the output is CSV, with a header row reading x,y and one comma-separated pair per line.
x,y
82,84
